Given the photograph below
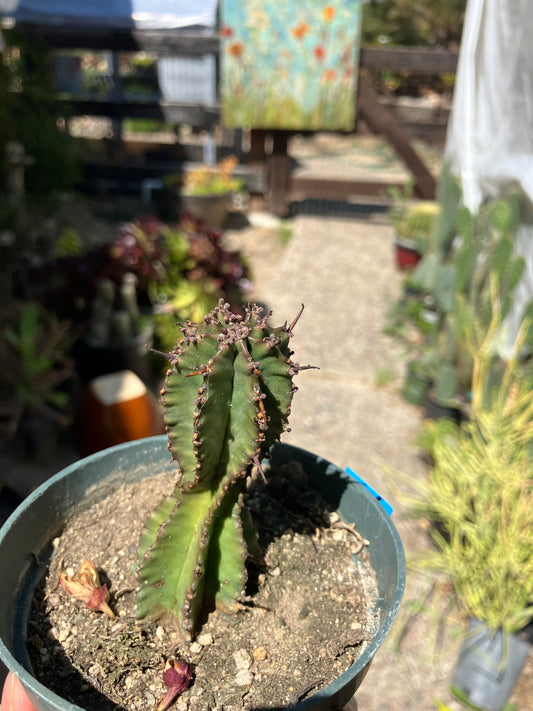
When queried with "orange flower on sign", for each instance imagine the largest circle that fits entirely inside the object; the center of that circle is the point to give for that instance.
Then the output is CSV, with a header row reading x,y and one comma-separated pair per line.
x,y
329,75
226,31
319,52
236,49
328,13
300,30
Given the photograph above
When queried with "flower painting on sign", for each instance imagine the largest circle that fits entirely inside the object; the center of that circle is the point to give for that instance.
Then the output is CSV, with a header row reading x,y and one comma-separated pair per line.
x,y
290,65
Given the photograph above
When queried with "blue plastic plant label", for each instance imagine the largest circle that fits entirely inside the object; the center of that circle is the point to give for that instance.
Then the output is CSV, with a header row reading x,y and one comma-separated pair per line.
x,y
388,508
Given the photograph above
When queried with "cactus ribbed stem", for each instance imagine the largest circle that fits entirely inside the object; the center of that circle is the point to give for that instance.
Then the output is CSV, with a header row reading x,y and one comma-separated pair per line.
x,y
227,399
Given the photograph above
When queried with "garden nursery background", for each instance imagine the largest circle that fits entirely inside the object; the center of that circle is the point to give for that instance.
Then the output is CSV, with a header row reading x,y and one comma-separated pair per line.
x,y
139,185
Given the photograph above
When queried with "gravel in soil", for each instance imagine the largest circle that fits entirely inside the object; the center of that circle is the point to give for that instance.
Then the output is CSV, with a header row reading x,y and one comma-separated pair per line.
x,y
303,619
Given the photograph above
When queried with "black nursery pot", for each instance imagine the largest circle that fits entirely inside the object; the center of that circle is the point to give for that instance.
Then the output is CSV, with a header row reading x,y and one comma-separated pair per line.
x,y
435,410
488,667
134,354
25,546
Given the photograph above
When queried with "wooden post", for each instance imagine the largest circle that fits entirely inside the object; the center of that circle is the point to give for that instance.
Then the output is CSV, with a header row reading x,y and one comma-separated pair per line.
x,y
257,152
381,121
116,94
279,171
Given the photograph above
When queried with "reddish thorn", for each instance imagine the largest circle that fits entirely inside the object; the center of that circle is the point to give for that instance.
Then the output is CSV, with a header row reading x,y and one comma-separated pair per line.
x,y
198,372
169,356
260,468
293,324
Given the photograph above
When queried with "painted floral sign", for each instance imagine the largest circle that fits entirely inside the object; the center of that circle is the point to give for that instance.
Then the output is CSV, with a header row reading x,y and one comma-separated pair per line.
x,y
290,65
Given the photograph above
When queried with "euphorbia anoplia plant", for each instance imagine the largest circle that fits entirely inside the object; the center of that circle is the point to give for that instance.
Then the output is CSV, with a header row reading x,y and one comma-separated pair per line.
x,y
226,398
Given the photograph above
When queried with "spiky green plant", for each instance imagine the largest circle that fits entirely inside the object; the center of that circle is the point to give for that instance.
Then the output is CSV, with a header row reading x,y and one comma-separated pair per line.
x,y
479,493
226,398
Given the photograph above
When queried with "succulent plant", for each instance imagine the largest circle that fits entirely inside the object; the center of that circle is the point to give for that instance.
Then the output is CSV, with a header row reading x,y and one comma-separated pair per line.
x,y
456,272
226,398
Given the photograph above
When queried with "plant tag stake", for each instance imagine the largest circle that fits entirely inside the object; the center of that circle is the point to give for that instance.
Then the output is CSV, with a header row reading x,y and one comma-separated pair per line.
x,y
388,508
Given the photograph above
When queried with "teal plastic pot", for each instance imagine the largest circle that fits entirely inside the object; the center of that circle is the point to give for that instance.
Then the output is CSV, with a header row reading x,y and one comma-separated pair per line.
x,y
25,542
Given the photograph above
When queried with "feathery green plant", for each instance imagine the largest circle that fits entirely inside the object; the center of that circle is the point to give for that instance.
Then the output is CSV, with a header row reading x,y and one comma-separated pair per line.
x,y
226,398
480,491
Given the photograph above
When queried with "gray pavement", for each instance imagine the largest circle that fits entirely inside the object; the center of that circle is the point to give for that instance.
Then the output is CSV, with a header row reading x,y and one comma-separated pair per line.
x,y
343,271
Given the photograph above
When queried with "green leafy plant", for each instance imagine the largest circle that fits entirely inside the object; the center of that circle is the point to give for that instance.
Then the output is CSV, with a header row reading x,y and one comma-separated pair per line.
x,y
181,271
479,494
454,276
462,285
226,400
33,352
29,114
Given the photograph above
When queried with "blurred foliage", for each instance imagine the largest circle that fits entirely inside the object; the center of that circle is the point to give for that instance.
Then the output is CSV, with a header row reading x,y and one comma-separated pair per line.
x,y
413,22
181,271
34,348
449,289
421,23
212,180
30,112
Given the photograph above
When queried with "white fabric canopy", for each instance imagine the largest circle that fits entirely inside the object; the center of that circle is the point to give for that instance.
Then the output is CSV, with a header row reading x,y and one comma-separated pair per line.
x,y
490,134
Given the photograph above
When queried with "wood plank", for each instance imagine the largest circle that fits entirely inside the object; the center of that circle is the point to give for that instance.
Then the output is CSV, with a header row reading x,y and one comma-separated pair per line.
x,y
194,114
420,60
382,122
193,43
278,181
163,42
331,189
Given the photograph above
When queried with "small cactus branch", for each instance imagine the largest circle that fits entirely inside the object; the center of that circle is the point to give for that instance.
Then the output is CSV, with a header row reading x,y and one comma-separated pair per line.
x,y
227,398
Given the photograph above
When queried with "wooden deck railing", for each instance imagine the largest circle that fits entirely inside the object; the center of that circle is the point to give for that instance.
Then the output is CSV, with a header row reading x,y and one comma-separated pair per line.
x,y
379,115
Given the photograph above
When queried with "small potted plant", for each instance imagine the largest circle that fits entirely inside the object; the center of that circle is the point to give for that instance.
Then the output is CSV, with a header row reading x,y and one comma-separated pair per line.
x,y
226,399
34,348
207,190
455,275
412,221
479,500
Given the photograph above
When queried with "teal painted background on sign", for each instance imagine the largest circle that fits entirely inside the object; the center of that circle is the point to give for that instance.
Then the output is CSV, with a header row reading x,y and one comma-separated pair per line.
x,y
290,65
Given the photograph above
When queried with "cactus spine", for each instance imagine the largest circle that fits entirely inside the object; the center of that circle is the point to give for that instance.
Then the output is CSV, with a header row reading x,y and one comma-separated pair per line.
x,y
226,398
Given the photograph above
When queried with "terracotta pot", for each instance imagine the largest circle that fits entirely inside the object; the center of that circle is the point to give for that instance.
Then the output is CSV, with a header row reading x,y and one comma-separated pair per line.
x,y
406,253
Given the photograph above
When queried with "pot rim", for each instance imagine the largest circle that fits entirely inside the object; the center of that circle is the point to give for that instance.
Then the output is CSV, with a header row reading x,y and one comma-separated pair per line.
x,y
159,442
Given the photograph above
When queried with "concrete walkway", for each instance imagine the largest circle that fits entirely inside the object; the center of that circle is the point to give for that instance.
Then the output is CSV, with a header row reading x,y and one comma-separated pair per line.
x,y
343,271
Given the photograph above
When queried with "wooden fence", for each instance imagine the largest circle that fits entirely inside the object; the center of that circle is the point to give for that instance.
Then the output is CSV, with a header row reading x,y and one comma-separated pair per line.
x,y
267,170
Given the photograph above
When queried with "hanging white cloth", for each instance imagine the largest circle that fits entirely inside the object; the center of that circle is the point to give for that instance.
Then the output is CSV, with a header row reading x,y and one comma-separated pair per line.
x,y
489,143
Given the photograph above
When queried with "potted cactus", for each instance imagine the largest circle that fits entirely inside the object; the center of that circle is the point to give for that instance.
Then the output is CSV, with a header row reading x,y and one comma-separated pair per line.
x,y
412,221
227,398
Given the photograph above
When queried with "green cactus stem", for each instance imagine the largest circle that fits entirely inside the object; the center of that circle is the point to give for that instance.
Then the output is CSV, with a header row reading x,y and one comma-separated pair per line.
x,y
227,398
